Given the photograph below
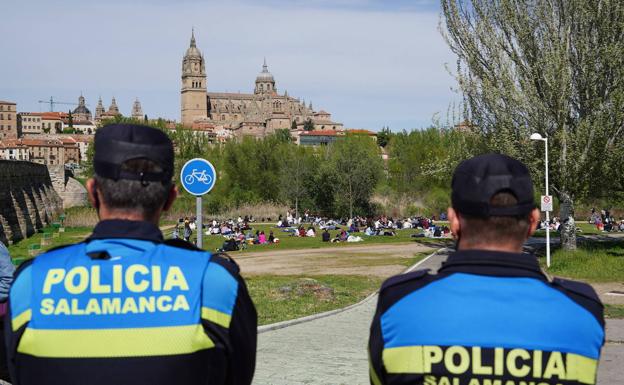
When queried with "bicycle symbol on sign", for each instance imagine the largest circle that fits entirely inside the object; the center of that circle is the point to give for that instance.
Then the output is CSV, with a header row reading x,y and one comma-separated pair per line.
x,y
197,176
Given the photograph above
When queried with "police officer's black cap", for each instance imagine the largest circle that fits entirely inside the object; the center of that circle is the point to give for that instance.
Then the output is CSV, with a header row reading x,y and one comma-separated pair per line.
x,y
116,144
478,179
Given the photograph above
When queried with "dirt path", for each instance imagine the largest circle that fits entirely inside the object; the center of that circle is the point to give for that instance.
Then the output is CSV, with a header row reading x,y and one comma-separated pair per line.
x,y
373,260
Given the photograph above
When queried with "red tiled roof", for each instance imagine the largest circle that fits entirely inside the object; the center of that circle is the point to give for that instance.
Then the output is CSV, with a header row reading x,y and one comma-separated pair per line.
x,y
11,143
54,115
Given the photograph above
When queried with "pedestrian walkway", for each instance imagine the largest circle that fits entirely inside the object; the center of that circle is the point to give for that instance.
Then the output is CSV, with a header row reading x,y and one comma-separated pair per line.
x,y
332,350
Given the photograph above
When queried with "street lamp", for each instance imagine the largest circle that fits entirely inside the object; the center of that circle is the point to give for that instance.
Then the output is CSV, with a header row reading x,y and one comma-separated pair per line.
x,y
537,136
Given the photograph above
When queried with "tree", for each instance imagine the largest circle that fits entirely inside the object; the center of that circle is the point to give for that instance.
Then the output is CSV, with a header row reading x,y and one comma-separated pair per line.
x,y
70,120
145,118
383,137
293,125
283,135
356,164
308,125
297,174
552,67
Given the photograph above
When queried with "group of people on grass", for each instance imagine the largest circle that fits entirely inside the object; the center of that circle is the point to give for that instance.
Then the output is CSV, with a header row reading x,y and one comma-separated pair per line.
x,y
605,221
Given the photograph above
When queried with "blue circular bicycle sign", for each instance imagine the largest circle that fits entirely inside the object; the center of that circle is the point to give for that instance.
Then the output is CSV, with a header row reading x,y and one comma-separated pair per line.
x,y
198,176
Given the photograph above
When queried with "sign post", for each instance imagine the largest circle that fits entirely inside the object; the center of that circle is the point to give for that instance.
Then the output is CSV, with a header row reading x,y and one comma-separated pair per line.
x,y
198,177
547,206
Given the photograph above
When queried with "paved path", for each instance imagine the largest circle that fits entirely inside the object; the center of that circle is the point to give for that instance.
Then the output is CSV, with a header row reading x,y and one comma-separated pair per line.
x,y
332,350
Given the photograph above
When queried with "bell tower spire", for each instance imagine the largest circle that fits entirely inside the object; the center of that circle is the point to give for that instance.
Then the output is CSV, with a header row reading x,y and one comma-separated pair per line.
x,y
193,93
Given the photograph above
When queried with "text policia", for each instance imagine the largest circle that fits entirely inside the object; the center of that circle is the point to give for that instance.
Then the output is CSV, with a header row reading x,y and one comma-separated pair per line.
x,y
126,280
489,366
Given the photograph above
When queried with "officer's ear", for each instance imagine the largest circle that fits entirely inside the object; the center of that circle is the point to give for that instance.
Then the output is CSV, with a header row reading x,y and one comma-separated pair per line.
x,y
173,194
534,220
454,222
92,193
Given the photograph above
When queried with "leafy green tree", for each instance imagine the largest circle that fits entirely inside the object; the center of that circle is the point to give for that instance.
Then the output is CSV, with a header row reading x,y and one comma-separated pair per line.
x,y
552,67
383,137
356,165
283,135
297,174
308,125
70,120
293,125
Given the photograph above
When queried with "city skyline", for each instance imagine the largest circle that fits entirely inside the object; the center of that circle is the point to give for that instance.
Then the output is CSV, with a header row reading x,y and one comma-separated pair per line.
x,y
370,63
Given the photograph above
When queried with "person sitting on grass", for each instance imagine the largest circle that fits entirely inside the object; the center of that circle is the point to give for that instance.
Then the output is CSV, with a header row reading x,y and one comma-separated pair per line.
x,y
301,231
325,236
262,238
310,232
342,236
271,237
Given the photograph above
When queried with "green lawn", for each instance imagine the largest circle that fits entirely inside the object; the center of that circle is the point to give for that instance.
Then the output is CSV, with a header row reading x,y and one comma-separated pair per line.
x,y
614,311
47,239
212,242
20,250
279,298
586,229
593,261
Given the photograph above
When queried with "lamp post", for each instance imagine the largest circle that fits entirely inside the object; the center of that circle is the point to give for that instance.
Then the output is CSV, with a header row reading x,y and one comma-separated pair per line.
x,y
537,136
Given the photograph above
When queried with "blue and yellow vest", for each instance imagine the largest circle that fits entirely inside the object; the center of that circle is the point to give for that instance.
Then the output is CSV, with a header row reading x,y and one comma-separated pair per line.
x,y
123,310
486,318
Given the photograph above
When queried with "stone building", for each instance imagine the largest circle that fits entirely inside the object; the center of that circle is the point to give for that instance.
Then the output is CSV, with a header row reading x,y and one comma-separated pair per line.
x,y
111,113
137,111
81,113
257,114
52,151
52,122
99,110
13,149
8,120
29,123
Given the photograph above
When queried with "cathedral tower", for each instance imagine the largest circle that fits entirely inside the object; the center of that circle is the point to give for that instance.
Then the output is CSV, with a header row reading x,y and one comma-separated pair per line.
x,y
194,102
265,83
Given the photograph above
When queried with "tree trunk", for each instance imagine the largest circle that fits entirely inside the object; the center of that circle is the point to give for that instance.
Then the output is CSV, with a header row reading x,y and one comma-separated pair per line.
x,y
568,225
297,208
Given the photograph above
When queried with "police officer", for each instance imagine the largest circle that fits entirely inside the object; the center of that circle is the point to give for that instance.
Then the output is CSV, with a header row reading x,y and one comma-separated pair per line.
x,y
489,315
125,306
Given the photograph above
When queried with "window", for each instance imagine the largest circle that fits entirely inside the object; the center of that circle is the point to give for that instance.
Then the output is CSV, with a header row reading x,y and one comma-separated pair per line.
x,y
1,116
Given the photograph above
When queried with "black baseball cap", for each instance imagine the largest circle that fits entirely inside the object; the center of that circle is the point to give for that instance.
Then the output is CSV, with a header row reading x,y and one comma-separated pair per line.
x,y
478,179
117,143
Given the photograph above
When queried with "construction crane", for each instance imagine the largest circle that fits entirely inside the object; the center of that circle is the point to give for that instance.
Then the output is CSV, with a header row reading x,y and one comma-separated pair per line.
x,y
53,102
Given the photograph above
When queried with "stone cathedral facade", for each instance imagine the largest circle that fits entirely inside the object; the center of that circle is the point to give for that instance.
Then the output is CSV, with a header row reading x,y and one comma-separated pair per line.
x,y
257,114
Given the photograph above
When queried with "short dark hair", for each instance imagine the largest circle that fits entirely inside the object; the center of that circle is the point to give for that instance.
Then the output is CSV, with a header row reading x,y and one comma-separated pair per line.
x,y
495,229
134,195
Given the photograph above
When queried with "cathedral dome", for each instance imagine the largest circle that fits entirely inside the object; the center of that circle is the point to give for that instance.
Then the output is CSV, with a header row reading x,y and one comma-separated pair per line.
x,y
265,75
81,110
193,51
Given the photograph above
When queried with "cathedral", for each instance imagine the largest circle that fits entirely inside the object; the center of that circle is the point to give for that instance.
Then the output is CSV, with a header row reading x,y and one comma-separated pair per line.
x,y
256,114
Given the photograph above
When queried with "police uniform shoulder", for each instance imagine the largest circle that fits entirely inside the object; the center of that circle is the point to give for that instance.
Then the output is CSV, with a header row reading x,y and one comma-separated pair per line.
x,y
181,244
403,278
577,288
23,266
226,262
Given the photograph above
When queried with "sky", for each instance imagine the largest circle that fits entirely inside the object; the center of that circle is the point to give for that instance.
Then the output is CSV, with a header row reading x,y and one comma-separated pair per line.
x,y
371,63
